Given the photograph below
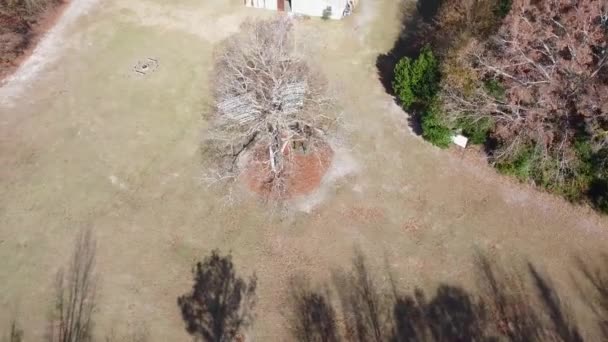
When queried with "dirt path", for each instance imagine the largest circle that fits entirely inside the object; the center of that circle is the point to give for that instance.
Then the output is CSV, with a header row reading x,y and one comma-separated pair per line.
x,y
85,142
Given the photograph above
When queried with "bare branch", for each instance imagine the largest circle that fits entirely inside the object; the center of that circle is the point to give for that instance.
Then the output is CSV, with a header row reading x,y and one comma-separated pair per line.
x,y
267,98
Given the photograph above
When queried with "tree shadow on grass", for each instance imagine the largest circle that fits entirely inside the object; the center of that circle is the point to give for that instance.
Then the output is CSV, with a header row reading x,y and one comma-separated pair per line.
x,y
597,294
525,307
75,299
454,315
220,304
372,312
507,305
365,309
451,315
15,333
562,322
312,316
508,301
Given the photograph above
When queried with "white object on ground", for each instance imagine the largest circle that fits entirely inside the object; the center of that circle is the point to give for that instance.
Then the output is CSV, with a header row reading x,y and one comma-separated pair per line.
x,y
460,140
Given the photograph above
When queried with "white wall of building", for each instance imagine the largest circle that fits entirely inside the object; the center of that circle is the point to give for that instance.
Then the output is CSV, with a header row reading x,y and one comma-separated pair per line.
x,y
315,8
267,4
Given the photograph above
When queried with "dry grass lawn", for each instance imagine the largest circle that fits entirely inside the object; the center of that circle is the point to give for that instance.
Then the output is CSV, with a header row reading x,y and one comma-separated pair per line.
x,y
91,144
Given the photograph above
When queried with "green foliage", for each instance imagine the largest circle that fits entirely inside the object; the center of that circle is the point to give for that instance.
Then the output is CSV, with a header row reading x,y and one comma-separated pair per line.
x,y
519,166
577,171
582,176
476,130
574,184
587,176
417,81
503,7
403,85
433,129
326,13
495,89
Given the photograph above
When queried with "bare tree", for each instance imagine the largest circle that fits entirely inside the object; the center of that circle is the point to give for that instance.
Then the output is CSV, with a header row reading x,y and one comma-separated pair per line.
x,y
75,298
25,7
550,56
269,104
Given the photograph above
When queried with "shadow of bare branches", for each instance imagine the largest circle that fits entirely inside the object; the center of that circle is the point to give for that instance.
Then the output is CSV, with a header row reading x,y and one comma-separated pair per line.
x,y
71,320
15,333
505,306
365,308
312,317
508,301
138,334
597,298
563,324
220,304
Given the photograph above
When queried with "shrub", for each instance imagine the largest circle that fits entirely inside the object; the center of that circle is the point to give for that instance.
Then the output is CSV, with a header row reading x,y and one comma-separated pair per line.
x,y
503,7
495,89
476,130
519,166
417,81
573,183
433,129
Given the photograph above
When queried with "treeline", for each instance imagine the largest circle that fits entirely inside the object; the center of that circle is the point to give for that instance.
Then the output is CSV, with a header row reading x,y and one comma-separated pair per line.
x,y
527,80
24,8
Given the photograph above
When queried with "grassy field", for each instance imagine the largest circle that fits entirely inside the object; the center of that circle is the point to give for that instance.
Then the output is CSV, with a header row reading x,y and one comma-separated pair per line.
x,y
93,144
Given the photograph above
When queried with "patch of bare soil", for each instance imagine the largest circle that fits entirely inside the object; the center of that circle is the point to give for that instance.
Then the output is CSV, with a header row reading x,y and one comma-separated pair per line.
x,y
19,34
304,175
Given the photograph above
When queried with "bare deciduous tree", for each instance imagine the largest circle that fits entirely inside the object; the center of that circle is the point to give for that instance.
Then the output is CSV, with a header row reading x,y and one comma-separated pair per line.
x,y
268,103
551,58
75,298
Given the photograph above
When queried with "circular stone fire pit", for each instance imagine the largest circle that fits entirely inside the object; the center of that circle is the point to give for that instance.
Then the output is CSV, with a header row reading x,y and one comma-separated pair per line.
x,y
146,66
